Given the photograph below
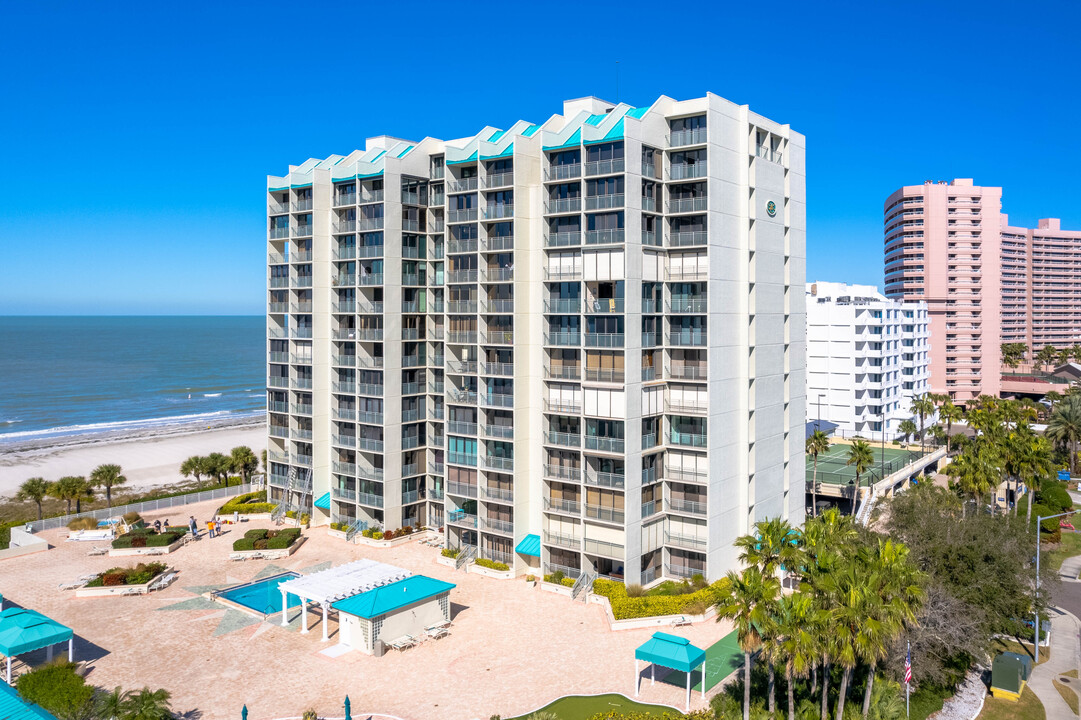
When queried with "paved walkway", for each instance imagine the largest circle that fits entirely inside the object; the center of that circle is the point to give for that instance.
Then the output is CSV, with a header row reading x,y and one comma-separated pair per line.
x,y
1065,656
1071,568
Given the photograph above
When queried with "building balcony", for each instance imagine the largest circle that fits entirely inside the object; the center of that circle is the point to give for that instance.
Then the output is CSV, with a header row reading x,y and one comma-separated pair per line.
x,y
340,493
604,514
497,400
370,279
567,507
467,337
279,282
604,340
604,167
348,441
605,237
462,489
680,171
370,499
461,216
497,211
687,507
498,337
564,473
562,206
563,339
497,306
686,439
605,306
569,171
499,432
302,383
463,185
563,274
563,372
687,338
279,431
680,371
300,231
685,541
685,239
564,541
696,305
562,407
563,239
498,275
563,306
462,276
457,458
370,224
497,369
278,382
604,375
605,444
504,527
277,233
650,508
563,439
606,479
369,445
605,202
690,136
602,548
499,180
462,307
495,243
502,464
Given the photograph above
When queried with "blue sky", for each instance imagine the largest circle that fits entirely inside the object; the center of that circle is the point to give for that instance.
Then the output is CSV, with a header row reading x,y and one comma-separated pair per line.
x,y
136,137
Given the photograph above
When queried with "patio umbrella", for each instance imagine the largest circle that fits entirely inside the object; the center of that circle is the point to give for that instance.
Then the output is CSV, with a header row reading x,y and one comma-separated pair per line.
x,y
348,714
244,713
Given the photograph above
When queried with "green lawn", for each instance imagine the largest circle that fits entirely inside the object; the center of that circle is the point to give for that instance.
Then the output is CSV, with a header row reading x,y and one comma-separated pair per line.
x,y
1028,707
1070,546
581,707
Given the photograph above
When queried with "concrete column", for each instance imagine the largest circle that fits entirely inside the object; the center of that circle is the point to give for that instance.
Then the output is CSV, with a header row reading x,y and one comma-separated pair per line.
x,y
652,673
71,649
285,609
688,691
636,673
49,653
325,636
303,617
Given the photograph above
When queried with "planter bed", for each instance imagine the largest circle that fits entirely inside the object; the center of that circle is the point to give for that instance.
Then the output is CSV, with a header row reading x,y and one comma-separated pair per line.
x,y
359,539
491,572
553,588
144,541
160,550
122,588
268,543
269,554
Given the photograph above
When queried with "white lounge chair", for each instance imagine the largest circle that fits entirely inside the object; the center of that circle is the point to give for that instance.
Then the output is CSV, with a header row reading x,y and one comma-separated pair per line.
x,y
99,551
436,631
131,591
680,621
405,641
163,581
237,556
72,585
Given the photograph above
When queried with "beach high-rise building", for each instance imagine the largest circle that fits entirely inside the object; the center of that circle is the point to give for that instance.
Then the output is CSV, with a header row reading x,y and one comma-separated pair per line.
x,y
575,345
867,358
985,282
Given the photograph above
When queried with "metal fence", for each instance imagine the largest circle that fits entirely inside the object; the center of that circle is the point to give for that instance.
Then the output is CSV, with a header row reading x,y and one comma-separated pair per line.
x,y
833,470
147,506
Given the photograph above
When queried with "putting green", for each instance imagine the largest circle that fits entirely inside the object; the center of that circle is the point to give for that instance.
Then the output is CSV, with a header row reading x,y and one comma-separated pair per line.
x,y
583,707
722,659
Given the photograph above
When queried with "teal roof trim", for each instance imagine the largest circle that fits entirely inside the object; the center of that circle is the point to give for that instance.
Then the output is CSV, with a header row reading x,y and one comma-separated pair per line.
x,y
358,176
595,119
616,133
529,131
670,651
323,503
506,153
301,185
573,141
496,135
23,630
278,189
637,113
530,545
13,707
391,597
381,154
471,158
405,152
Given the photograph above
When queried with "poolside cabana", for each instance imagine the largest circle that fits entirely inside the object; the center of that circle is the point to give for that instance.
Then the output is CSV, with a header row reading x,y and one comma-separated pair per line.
x,y
23,631
670,651
406,608
13,707
337,583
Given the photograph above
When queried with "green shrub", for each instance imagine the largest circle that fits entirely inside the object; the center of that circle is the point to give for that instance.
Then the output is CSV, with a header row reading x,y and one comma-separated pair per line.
x,y
132,517
247,504
305,519
492,564
261,544
83,523
558,578
377,535
677,601
58,689
279,542
635,591
243,544
291,514
450,552
257,534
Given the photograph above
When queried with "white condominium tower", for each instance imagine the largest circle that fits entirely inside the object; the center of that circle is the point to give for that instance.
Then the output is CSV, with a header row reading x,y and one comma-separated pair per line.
x,y
575,345
867,358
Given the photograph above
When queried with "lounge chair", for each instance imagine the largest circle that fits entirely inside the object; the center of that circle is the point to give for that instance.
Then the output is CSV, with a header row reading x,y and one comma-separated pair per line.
x,y
131,591
405,641
163,581
72,585
237,556
680,621
99,551
436,631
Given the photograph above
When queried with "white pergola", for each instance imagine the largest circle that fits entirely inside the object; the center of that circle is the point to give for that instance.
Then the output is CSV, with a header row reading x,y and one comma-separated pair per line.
x,y
336,583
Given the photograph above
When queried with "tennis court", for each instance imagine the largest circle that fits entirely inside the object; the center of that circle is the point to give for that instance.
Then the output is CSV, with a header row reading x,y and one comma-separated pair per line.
x,y
832,469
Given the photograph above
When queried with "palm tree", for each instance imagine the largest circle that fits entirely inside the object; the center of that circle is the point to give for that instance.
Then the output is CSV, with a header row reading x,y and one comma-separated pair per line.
x,y
70,488
818,442
1063,356
110,705
977,471
862,457
921,407
851,608
774,543
262,457
147,704
35,489
907,428
799,624
745,602
1075,352
1064,427
195,466
218,466
1046,356
951,414
107,476
243,462
1033,466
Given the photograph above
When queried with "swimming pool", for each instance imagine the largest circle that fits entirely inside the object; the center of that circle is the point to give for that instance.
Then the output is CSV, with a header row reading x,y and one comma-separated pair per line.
x,y
262,596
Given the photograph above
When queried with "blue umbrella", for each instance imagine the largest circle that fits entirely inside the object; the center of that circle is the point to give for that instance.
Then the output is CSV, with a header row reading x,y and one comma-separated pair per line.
x,y
348,715
244,713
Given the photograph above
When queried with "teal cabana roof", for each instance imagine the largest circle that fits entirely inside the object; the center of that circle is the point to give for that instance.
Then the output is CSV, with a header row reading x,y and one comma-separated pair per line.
x,y
323,503
670,651
393,596
23,630
530,545
13,707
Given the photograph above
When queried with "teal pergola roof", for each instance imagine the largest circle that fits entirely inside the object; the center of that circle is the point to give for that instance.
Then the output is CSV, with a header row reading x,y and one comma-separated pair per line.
x,y
530,545
23,630
671,651
393,596
13,707
323,502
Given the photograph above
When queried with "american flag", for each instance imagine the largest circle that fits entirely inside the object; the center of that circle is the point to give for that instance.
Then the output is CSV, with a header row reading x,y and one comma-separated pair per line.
x,y
908,667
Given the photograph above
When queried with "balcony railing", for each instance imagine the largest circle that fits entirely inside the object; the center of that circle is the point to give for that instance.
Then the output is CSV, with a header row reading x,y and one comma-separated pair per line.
x,y
604,514
557,206
688,204
563,306
605,237
561,540
604,375
462,459
564,172
688,305
499,432
685,541
499,210
497,275
563,438
498,337
690,136
462,276
462,489
563,407
683,171
684,239
604,340
498,306
690,507
563,339
499,494
600,547
493,462
570,507
688,338
604,167
563,239
461,216
687,372
561,274
505,527
499,369
606,479
370,499
565,473
457,517
605,444
463,185
605,202
605,306
676,437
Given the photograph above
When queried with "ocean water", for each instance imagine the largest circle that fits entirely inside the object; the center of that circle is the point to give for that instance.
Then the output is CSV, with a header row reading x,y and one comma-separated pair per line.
x,y
62,376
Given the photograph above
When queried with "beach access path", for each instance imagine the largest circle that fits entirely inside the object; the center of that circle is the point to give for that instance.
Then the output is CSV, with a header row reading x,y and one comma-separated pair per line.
x,y
147,459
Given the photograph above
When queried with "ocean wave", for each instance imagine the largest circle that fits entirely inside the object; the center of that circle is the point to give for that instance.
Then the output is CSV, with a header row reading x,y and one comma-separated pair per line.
x,y
211,394
147,423
10,422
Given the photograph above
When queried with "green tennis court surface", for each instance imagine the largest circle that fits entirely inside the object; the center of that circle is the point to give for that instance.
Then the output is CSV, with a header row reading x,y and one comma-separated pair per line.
x,y
832,468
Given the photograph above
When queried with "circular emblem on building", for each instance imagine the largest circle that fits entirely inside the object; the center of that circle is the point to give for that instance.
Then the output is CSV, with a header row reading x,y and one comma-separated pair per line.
x,y
771,208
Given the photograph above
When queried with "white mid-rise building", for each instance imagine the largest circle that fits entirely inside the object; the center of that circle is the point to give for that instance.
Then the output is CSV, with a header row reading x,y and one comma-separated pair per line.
x,y
577,345
867,358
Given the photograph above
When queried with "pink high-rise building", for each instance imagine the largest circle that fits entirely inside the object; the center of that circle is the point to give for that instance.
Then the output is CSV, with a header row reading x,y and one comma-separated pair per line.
x,y
985,283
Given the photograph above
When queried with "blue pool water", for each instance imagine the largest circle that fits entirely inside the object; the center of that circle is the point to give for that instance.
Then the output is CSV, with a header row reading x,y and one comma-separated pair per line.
x,y
263,596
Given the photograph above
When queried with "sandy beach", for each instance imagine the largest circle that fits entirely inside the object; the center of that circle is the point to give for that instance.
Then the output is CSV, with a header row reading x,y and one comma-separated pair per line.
x,y
148,459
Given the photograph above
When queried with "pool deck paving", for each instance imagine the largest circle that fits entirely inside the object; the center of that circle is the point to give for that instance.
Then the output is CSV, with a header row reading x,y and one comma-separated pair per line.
x,y
511,649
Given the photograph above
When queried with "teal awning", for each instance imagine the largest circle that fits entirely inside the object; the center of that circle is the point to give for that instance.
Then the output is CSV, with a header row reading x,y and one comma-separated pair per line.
x,y
393,596
13,707
323,503
530,545
23,630
670,651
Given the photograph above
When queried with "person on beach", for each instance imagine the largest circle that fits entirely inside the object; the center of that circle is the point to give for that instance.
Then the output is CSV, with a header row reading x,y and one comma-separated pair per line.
x,y
210,529
193,527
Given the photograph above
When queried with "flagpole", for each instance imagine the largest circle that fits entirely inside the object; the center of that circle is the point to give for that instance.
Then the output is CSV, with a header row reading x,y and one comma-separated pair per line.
x,y
908,684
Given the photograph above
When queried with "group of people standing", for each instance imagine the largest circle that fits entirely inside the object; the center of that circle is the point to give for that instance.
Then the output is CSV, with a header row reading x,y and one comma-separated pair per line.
x,y
213,525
